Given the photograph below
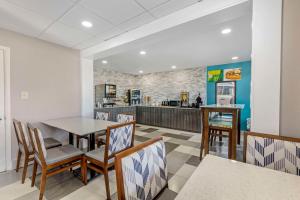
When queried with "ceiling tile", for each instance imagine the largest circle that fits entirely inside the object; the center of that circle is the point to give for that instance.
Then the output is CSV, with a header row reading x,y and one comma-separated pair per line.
x,y
64,35
149,4
21,20
48,8
99,38
116,11
136,22
79,14
171,6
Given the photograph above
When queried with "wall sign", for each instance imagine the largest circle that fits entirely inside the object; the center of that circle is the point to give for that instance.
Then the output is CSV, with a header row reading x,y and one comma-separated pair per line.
x,y
232,74
214,75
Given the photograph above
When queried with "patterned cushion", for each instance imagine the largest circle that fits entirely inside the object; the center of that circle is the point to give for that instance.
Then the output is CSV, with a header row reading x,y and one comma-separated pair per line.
x,y
122,118
120,139
145,172
274,154
102,116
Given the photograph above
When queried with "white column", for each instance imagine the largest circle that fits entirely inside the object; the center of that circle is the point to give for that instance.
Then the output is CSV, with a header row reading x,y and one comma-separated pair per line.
x,y
87,87
266,66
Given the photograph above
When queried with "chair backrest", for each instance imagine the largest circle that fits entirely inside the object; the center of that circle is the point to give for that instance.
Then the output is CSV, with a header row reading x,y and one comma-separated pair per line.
x,y
37,140
123,118
119,138
141,171
273,151
102,116
21,134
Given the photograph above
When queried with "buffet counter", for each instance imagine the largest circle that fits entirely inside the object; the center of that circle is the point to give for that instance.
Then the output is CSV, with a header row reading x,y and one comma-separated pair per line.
x,y
186,119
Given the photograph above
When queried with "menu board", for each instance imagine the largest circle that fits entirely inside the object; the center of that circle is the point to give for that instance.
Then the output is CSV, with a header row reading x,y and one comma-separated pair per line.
x,y
232,74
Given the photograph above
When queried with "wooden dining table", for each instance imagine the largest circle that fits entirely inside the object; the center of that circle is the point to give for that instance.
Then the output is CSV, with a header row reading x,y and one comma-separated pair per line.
x,y
222,179
80,126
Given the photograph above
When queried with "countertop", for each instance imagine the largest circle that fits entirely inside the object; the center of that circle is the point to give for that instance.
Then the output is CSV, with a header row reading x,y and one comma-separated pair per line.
x,y
150,106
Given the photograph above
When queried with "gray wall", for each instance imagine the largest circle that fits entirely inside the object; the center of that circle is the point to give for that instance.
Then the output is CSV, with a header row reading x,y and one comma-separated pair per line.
x,y
51,75
160,85
290,80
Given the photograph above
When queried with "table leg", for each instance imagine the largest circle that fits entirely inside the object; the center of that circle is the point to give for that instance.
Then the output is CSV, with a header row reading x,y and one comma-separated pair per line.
x,y
92,141
239,127
230,145
234,135
206,131
71,138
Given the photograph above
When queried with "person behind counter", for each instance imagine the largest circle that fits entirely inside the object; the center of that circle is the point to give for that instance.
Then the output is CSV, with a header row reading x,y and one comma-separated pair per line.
x,y
199,101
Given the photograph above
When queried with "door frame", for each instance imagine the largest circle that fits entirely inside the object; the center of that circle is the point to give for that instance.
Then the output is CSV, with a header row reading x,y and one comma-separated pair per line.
x,y
7,107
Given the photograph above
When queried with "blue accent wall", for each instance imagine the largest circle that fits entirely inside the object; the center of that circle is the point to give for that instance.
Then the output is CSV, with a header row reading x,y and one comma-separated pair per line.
x,y
242,88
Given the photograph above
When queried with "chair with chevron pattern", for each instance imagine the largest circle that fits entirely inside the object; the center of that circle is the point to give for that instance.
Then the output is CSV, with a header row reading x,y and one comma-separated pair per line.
x,y
118,138
273,151
123,118
141,171
100,137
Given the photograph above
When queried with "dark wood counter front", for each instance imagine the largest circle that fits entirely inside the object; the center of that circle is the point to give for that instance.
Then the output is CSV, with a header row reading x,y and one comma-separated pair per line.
x,y
186,119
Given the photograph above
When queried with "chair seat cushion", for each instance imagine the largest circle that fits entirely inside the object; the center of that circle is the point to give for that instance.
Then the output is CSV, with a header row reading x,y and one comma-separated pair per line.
x,y
61,153
102,137
98,154
51,142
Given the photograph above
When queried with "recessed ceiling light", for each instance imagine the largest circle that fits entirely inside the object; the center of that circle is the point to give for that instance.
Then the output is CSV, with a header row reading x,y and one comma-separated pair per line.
x,y
235,58
173,67
87,24
143,52
104,62
226,31
141,71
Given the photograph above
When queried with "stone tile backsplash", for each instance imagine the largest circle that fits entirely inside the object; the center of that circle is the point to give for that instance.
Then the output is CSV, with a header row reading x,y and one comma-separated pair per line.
x,y
160,85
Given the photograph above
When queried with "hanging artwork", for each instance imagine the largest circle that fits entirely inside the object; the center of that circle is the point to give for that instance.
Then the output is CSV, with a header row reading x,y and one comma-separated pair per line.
x,y
232,74
214,75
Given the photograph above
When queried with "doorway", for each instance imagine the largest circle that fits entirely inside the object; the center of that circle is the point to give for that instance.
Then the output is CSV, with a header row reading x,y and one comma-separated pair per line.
x,y
5,113
2,113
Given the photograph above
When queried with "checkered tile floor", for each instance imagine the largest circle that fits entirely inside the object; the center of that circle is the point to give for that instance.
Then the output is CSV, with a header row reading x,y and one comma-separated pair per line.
x,y
183,149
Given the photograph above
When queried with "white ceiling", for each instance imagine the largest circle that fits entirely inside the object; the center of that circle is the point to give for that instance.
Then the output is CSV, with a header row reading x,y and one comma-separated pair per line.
x,y
194,44
59,21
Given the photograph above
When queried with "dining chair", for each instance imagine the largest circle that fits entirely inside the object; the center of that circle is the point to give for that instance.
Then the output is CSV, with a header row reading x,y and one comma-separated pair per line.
x,y
272,151
118,138
52,161
141,171
217,131
25,146
100,136
123,118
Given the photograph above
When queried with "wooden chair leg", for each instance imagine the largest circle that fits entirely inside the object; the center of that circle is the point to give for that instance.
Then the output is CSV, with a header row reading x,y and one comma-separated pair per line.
x,y
18,160
33,173
221,135
43,183
84,170
26,160
107,184
211,137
